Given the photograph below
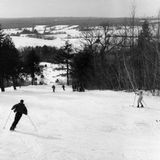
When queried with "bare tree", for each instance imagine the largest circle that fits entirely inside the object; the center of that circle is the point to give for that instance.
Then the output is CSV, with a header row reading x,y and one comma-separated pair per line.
x,y
157,60
133,15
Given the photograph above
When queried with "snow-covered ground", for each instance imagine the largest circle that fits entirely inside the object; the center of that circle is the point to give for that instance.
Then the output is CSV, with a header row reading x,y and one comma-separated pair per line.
x,y
59,34
51,73
91,125
21,42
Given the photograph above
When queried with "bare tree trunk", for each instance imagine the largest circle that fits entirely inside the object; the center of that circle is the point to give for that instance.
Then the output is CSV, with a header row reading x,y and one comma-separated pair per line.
x,y
133,14
33,78
14,82
67,72
128,74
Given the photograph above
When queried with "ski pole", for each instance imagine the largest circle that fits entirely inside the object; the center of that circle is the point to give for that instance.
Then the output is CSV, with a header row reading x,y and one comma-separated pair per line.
x,y
134,99
32,123
7,120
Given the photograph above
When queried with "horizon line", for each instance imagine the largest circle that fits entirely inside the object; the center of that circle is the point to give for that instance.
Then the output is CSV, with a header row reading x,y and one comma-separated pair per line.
x,y
76,17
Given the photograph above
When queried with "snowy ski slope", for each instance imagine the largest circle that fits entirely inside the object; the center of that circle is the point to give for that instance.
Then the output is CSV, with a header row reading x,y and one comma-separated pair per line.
x,y
94,125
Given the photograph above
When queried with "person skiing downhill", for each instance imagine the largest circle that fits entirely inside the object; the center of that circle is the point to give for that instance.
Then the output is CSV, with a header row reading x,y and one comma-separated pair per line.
x,y
53,87
19,110
139,101
63,86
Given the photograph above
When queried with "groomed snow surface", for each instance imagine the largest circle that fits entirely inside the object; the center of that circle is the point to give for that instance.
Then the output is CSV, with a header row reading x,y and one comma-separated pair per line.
x,y
91,125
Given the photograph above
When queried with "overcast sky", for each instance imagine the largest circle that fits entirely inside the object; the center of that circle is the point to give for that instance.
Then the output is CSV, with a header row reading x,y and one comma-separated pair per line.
x,y
76,8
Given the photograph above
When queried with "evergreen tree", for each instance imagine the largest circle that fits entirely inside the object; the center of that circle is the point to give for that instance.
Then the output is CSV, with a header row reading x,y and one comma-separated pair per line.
x,y
9,61
144,58
82,69
65,56
2,69
31,62
12,60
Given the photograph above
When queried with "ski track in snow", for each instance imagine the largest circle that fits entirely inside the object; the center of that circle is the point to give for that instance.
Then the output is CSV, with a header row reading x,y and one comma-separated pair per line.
x,y
94,125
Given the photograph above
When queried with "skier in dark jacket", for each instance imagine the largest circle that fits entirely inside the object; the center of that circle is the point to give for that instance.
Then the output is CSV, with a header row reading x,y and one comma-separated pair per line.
x,y
53,87
63,86
19,109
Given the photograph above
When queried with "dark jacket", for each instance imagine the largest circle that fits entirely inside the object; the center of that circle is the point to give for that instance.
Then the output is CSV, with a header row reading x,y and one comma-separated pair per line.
x,y
20,108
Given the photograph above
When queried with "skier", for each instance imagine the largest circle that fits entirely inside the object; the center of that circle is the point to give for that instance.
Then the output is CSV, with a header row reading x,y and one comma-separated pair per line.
x,y
19,109
53,87
139,101
63,86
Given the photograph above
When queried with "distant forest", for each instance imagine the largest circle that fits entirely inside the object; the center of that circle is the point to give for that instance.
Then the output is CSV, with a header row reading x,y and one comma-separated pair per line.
x,y
8,23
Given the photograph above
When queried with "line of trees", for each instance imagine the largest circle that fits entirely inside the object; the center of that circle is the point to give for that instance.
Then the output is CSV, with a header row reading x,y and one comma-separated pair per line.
x,y
17,65
127,61
13,64
62,56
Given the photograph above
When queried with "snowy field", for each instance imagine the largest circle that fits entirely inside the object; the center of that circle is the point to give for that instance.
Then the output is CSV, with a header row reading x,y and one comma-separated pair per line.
x,y
59,33
21,42
94,125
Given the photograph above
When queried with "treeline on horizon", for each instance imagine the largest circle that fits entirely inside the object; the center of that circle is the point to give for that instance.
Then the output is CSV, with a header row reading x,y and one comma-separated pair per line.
x,y
123,61
8,23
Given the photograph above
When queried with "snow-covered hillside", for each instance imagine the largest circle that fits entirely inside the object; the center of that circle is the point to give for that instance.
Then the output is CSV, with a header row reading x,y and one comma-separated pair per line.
x,y
91,125
50,36
21,42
